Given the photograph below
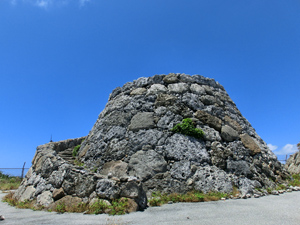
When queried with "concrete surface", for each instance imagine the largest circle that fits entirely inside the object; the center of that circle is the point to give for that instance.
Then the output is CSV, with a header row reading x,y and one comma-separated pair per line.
x,y
282,209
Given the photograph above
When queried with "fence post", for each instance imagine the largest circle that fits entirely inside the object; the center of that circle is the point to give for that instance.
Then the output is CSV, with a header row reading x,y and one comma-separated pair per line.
x,y
23,170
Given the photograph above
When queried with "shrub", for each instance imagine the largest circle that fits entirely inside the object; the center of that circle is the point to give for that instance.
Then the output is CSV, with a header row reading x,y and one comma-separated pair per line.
x,y
187,127
75,150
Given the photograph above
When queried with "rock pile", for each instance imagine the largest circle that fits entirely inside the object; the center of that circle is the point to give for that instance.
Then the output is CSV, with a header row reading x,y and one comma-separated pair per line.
x,y
131,151
293,163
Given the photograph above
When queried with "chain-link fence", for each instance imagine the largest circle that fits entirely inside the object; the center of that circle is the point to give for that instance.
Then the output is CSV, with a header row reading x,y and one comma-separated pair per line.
x,y
17,172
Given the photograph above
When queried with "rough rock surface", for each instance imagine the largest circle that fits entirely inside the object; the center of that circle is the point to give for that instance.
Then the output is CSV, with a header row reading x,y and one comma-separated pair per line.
x,y
293,163
131,152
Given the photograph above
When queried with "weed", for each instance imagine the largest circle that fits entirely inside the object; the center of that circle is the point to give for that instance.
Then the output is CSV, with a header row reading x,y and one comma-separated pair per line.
x,y
295,180
119,206
159,199
188,128
98,207
75,150
61,208
27,204
78,163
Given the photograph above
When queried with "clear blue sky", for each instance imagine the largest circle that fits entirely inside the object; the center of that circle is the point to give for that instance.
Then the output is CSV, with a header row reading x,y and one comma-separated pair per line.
x,y
60,59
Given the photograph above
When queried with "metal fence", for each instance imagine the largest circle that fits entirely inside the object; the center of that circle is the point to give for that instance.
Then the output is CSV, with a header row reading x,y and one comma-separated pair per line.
x,y
17,172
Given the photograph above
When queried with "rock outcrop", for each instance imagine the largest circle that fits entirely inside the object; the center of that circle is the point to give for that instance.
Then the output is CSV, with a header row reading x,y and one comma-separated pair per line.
x,y
132,152
292,165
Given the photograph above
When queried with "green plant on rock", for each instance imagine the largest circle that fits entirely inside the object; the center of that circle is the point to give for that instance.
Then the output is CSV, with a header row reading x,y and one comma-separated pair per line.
x,y
119,206
75,150
159,199
187,127
98,207
61,208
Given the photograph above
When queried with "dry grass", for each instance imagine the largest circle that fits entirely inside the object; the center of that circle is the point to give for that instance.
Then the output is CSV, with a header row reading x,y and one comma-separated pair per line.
x,y
8,182
159,199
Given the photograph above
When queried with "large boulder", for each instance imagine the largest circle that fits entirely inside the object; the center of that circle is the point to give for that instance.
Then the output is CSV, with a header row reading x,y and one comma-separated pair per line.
x,y
131,151
293,163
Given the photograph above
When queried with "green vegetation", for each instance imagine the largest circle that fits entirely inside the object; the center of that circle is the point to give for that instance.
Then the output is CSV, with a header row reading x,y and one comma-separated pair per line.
x,y
78,163
117,206
295,180
21,205
9,182
188,128
60,208
75,150
159,199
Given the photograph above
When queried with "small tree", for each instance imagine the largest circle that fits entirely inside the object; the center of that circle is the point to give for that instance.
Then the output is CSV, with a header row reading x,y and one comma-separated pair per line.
x,y
298,145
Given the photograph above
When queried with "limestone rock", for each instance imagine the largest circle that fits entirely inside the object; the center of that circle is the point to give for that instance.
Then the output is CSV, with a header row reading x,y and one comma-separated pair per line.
x,y
45,199
249,143
115,168
171,78
68,201
58,194
209,119
293,163
145,165
228,133
212,179
140,121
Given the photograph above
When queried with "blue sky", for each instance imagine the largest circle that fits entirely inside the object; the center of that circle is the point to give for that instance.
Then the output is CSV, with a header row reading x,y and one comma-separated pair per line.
x,y
60,59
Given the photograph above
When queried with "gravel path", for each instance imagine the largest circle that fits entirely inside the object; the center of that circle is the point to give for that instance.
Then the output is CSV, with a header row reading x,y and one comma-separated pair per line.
x,y
282,209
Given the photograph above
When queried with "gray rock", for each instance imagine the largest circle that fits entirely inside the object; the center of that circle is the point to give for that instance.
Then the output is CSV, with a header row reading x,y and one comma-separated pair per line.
x,y
181,170
107,189
115,168
165,100
157,89
249,143
180,147
245,186
209,119
171,78
141,82
178,88
138,91
133,190
197,89
28,194
58,194
210,178
293,163
144,120
274,192
208,100
239,168
45,199
145,164
228,133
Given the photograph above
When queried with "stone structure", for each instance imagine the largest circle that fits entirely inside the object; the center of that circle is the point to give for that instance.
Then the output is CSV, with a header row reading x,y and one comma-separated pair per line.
x,y
293,163
131,152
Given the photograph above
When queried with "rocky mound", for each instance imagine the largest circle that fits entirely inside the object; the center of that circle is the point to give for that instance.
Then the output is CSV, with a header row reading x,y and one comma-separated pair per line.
x,y
293,163
132,152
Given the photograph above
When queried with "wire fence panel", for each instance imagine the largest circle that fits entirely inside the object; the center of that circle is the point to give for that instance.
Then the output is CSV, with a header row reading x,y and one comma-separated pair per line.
x,y
16,172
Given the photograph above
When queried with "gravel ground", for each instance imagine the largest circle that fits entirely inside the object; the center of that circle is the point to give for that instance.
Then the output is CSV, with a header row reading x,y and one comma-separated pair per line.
x,y
282,209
